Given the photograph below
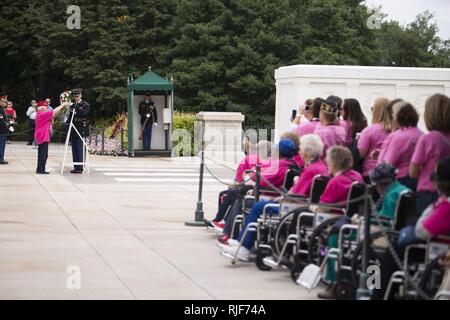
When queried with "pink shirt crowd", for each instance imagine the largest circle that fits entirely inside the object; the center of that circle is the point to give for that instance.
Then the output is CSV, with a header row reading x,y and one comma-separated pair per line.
x,y
398,149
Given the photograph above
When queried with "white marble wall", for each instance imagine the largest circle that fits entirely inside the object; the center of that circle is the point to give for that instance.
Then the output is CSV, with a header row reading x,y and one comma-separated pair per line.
x,y
222,134
295,84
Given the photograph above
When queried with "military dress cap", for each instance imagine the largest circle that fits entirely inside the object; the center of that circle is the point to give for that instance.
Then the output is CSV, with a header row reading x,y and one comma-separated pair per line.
x,y
77,91
329,106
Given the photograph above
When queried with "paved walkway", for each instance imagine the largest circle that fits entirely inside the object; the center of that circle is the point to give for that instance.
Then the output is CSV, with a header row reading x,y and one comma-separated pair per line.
x,y
127,236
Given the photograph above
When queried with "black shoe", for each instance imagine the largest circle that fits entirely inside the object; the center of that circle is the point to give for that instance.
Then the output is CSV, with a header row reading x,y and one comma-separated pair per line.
x,y
29,143
76,171
42,172
3,162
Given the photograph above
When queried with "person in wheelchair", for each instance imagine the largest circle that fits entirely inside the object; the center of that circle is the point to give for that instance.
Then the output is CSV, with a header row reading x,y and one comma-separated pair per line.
x,y
311,149
253,156
270,175
339,162
383,177
434,222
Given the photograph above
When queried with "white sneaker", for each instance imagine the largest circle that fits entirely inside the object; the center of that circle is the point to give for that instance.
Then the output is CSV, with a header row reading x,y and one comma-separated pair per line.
x,y
242,252
233,243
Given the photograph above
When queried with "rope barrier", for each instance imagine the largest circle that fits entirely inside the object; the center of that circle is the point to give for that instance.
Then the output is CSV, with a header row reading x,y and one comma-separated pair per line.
x,y
220,164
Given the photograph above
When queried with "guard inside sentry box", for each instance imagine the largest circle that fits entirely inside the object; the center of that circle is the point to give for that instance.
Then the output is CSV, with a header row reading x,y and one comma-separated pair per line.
x,y
161,134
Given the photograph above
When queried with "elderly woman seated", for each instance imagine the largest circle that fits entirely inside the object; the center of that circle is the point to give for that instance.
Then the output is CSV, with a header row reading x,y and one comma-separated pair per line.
x,y
311,149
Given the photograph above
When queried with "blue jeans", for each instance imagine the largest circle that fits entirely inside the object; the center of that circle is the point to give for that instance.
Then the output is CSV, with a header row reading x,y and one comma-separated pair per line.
x,y
256,212
407,236
2,146
148,137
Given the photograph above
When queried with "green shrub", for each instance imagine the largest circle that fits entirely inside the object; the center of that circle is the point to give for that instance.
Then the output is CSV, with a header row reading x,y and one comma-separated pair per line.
x,y
184,121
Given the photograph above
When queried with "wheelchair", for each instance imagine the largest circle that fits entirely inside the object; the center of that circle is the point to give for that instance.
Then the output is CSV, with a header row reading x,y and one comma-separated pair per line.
x,y
421,264
318,252
348,255
276,238
249,200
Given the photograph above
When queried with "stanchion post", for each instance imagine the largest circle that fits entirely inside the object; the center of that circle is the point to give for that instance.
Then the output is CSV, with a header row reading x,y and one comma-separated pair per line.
x,y
363,292
199,213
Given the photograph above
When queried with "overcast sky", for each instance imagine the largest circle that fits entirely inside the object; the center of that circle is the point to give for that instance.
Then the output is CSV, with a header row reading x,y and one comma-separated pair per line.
x,y
405,11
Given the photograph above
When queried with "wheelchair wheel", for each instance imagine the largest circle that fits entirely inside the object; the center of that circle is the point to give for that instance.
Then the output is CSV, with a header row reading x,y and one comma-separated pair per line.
x,y
283,231
376,252
318,242
432,278
344,290
260,255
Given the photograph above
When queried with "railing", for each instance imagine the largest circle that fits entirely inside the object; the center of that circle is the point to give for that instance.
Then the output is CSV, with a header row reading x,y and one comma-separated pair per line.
x,y
97,137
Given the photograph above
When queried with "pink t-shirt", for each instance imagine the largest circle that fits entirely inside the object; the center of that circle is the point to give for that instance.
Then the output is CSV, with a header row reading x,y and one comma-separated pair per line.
x,y
299,161
303,185
371,140
275,173
430,149
307,128
331,135
398,149
438,222
338,187
248,163
348,134
43,124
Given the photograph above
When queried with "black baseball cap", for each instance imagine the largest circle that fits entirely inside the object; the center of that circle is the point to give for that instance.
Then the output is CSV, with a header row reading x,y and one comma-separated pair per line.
x,y
442,171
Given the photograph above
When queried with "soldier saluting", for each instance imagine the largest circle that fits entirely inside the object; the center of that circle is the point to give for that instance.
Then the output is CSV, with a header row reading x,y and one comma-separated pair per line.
x,y
80,122
149,118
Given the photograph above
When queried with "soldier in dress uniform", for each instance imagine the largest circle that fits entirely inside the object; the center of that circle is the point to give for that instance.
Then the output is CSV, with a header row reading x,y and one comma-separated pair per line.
x,y
149,118
81,123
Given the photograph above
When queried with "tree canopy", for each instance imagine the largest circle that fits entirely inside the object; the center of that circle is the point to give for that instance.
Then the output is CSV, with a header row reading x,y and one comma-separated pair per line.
x,y
221,53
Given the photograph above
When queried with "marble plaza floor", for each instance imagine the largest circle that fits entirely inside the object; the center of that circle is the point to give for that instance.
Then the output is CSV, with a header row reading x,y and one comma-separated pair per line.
x,y
123,227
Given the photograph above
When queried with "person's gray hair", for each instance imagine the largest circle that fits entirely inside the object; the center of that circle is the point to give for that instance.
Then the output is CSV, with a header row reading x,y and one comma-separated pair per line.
x,y
312,145
340,157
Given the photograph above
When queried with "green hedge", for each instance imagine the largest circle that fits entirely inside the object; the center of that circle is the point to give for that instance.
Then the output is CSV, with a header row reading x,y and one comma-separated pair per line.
x,y
184,121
